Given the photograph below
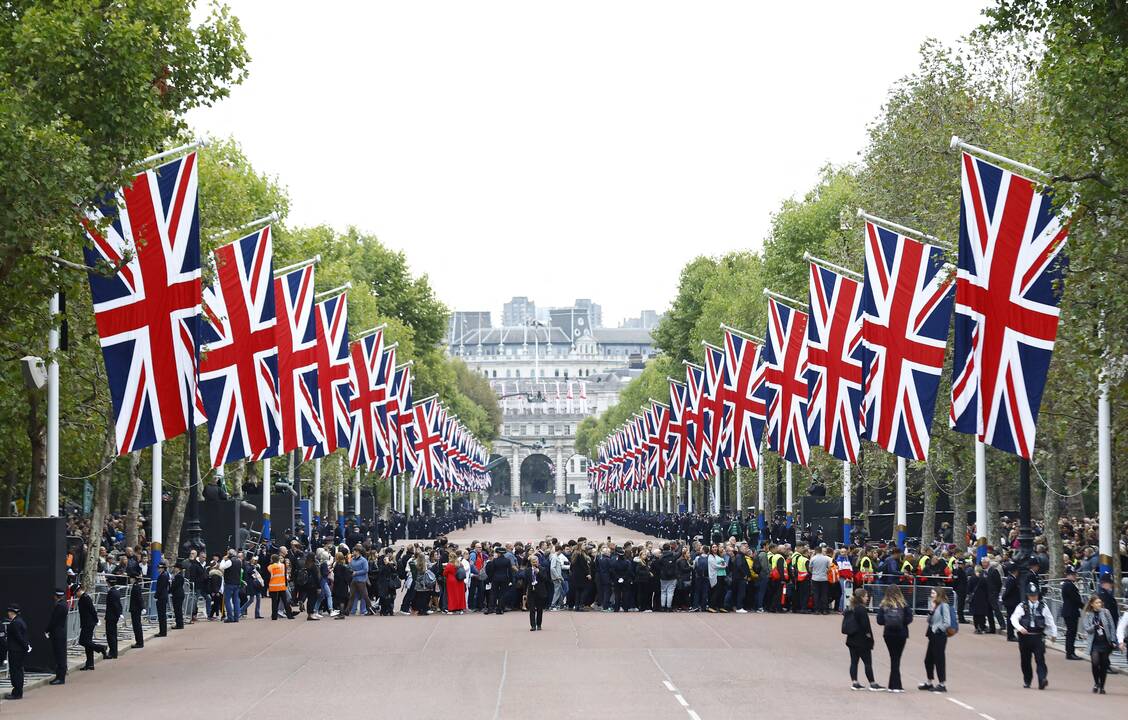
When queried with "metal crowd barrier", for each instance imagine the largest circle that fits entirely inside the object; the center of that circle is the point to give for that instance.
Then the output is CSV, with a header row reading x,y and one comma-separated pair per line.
x,y
918,596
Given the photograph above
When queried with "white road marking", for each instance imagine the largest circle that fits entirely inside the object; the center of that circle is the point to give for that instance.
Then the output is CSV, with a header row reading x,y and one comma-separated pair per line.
x,y
985,716
680,699
964,705
693,715
669,686
501,685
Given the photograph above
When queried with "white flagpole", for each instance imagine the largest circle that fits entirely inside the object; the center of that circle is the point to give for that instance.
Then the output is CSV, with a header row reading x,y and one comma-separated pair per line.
x,y
902,503
847,510
395,496
688,495
717,491
739,491
980,500
760,494
788,494
317,490
340,492
53,413
356,495
1104,479
157,520
266,499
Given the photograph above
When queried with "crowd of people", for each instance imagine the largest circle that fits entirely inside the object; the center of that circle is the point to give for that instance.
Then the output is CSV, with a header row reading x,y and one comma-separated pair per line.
x,y
713,564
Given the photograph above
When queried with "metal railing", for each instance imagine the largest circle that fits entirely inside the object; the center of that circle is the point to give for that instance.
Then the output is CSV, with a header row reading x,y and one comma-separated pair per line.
x,y
917,596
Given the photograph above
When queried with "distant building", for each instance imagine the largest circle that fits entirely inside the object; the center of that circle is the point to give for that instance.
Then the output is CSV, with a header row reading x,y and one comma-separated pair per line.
x,y
463,321
595,311
518,311
647,320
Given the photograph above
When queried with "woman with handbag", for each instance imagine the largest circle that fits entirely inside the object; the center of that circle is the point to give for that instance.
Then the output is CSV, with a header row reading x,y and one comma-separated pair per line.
x,y
538,588
1100,631
387,582
455,576
859,639
939,623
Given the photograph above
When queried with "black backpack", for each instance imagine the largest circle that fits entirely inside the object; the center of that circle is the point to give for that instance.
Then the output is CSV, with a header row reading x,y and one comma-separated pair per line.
x,y
894,618
302,578
849,622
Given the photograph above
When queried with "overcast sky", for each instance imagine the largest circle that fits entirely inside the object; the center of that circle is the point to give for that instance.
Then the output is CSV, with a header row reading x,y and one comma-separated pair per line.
x,y
567,149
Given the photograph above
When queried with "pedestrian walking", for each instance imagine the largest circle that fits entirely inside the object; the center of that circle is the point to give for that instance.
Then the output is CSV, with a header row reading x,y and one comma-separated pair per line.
x,y
57,634
1032,621
87,621
1101,634
939,623
859,639
538,586
895,616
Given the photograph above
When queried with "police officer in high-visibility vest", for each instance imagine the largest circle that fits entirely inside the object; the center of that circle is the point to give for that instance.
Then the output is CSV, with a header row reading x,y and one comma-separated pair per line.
x,y
1033,621
865,568
802,581
775,578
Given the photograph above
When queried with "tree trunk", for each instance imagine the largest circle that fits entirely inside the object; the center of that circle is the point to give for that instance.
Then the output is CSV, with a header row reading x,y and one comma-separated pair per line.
x,y
992,530
101,507
179,505
7,491
133,504
37,502
958,495
1051,510
928,516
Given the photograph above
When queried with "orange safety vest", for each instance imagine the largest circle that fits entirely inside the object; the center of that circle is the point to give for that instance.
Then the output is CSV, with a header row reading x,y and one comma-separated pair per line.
x,y
277,577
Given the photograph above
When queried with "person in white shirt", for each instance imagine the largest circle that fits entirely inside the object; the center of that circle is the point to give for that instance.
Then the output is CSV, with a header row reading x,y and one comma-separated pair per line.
x,y
1033,621
1122,632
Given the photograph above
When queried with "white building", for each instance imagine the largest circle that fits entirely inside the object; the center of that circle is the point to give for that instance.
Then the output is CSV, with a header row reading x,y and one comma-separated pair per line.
x,y
546,384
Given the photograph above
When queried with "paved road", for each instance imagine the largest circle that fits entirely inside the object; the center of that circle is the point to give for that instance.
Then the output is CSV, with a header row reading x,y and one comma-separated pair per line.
x,y
526,527
582,665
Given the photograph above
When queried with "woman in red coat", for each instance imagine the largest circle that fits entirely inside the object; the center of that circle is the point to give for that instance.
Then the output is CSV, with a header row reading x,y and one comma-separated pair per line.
x,y
455,586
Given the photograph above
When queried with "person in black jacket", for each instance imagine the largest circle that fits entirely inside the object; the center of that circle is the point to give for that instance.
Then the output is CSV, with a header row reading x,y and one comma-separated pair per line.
x,y
178,593
603,567
980,605
88,620
499,572
994,589
895,615
622,573
1012,596
57,632
579,578
1070,611
17,651
1108,597
859,639
161,595
538,586
112,616
136,603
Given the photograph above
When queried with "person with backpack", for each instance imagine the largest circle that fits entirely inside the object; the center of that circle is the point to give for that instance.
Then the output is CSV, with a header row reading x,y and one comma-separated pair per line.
x,y
940,628
894,615
387,581
358,586
667,577
1101,634
423,583
308,580
859,639
455,575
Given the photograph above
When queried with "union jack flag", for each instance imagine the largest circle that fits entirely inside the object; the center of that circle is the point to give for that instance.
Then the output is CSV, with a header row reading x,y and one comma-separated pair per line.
x,y
906,307
365,356
148,312
239,365
697,418
744,383
296,334
834,363
1007,297
332,374
658,443
785,382
429,456
718,415
681,458
385,423
404,420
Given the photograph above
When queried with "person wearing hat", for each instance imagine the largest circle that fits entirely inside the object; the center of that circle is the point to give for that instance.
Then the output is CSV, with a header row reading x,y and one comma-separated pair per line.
x,y
57,633
1070,611
17,651
178,593
1012,595
88,620
499,574
112,616
1108,597
1033,621
136,603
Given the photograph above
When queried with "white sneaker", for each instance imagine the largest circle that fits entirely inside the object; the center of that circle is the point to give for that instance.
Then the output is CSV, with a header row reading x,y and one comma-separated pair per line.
x,y
334,613
741,610
317,616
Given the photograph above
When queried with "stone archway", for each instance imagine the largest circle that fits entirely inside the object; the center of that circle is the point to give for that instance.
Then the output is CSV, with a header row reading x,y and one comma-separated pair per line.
x,y
501,472
538,479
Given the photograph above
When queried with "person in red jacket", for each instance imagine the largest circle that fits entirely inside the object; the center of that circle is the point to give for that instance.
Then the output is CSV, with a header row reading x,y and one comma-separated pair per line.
x,y
455,585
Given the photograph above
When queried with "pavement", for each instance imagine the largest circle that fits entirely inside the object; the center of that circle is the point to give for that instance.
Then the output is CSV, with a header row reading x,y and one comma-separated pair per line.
x,y
650,666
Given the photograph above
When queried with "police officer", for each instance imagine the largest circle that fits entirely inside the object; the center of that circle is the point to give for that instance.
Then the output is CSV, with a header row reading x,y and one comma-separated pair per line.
x,y
136,603
112,616
1070,611
1032,621
160,595
57,633
17,651
178,593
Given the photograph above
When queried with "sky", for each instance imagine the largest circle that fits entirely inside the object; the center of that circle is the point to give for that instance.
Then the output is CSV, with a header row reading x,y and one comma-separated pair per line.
x,y
583,149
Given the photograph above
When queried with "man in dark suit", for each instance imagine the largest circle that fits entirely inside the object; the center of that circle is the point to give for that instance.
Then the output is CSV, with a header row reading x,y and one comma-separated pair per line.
x,y
160,595
1012,596
994,589
88,620
499,572
17,651
1108,597
178,593
136,604
113,615
57,633
1070,611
